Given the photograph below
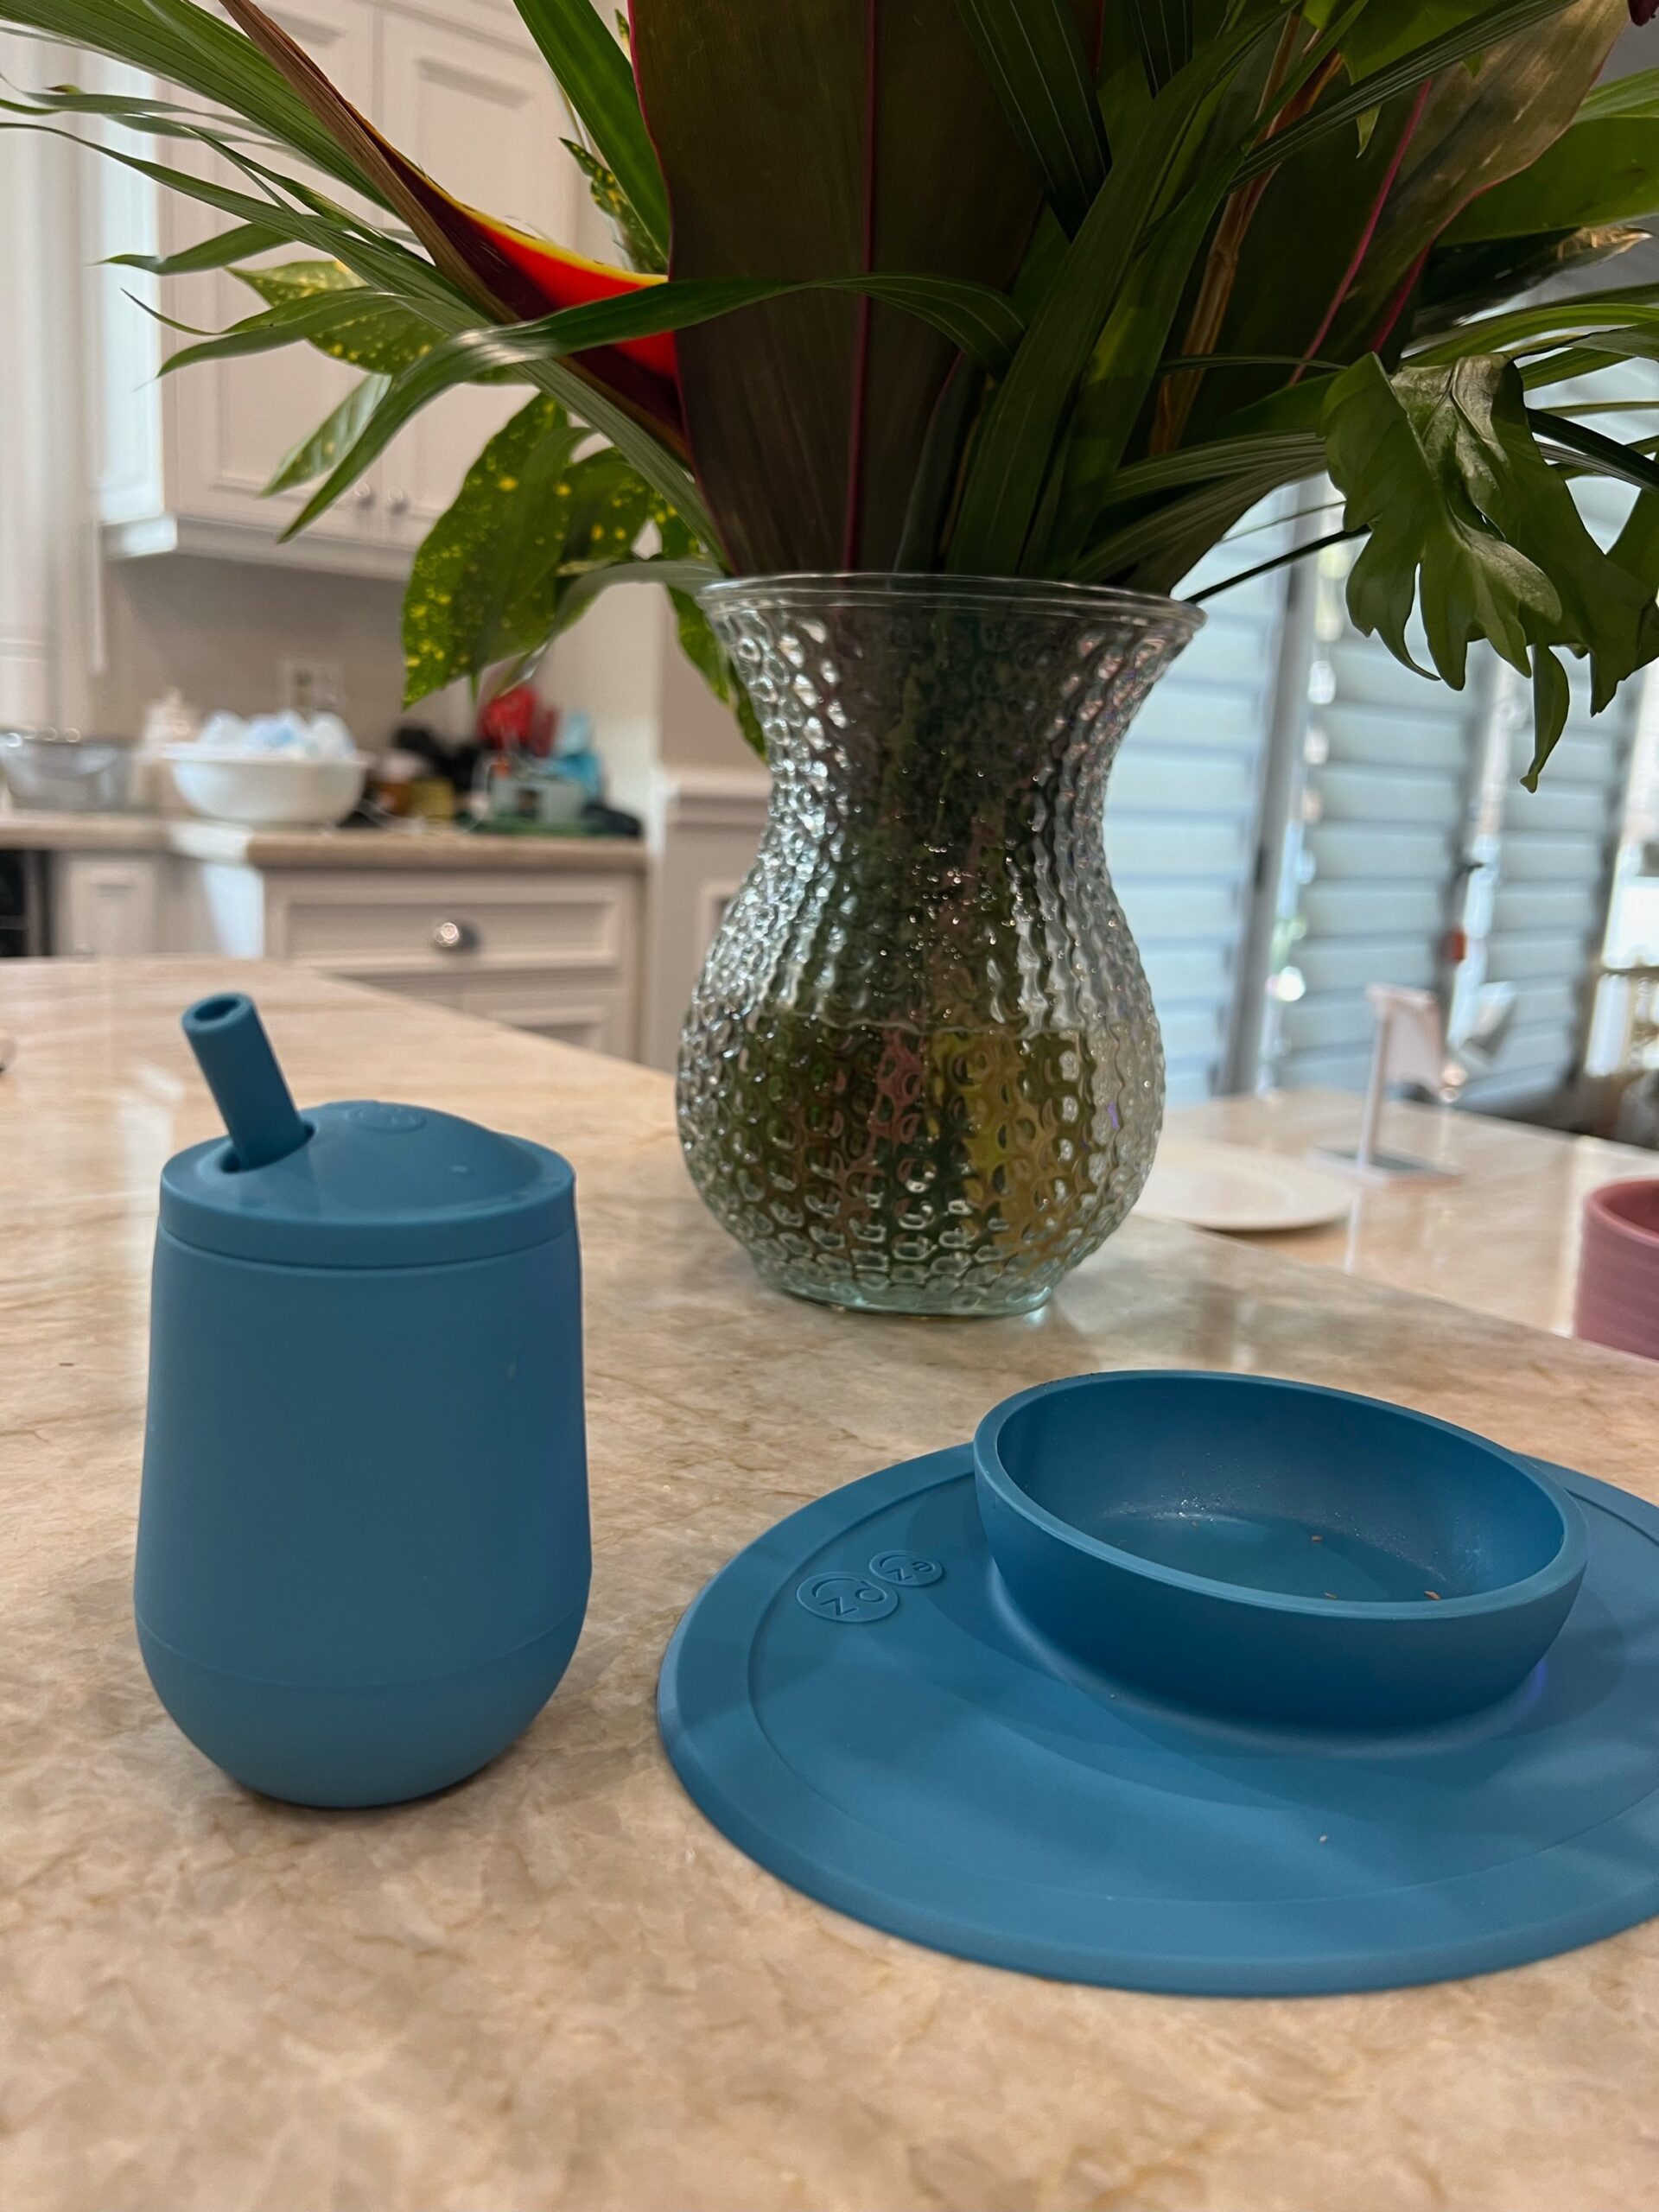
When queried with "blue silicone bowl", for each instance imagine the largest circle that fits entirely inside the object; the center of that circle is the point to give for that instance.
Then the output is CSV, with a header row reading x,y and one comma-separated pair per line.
x,y
1272,1551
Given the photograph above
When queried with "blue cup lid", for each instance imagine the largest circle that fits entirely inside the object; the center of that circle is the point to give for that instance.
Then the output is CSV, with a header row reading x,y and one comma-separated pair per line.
x,y
373,1185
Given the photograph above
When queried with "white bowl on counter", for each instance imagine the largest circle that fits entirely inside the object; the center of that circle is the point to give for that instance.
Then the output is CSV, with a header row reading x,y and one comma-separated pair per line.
x,y
267,791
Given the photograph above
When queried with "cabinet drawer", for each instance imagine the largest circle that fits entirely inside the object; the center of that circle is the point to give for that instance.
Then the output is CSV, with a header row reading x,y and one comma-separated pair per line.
x,y
575,923
597,1016
106,905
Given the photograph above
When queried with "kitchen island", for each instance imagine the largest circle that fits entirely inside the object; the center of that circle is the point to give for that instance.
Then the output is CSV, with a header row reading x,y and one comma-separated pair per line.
x,y
1501,1233
556,1986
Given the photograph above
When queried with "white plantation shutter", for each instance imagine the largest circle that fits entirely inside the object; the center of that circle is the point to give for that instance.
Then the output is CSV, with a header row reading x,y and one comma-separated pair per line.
x,y
1390,759
1182,812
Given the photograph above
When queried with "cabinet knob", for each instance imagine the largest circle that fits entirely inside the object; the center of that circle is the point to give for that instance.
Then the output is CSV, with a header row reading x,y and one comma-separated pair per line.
x,y
398,503
454,936
364,495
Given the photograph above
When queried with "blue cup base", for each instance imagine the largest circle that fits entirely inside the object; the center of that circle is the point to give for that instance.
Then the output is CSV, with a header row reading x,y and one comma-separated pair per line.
x,y
379,1744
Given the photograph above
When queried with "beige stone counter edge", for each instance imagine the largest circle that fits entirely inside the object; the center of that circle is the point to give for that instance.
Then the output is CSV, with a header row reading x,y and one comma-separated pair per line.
x,y
24,830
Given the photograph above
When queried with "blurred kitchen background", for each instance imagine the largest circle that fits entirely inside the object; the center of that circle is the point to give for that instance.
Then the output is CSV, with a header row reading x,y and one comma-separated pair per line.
x,y
1294,818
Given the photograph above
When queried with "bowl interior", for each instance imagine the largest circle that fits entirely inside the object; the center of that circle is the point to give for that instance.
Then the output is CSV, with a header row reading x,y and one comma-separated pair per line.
x,y
1270,1487
1632,1205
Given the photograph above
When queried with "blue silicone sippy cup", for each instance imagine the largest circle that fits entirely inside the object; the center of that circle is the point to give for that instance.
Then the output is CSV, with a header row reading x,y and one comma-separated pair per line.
x,y
363,1547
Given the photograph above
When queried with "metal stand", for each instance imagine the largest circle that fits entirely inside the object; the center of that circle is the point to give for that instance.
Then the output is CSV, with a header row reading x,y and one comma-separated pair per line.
x,y
1411,1047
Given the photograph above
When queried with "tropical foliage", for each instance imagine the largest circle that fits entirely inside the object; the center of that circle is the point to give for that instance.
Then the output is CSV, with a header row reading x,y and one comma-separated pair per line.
x,y
1040,287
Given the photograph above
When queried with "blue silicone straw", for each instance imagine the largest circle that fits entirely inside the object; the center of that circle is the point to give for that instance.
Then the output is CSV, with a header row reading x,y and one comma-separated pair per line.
x,y
234,1054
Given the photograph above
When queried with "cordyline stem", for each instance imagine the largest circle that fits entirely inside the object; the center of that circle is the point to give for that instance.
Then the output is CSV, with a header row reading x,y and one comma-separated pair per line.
x,y
1352,272
1177,394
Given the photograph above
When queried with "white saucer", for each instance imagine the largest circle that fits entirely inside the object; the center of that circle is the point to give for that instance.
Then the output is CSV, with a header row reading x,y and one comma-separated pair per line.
x,y
1235,1188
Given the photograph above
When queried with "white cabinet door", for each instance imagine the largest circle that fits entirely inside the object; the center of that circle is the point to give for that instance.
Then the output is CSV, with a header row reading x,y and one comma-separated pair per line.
x,y
228,425
485,121
105,905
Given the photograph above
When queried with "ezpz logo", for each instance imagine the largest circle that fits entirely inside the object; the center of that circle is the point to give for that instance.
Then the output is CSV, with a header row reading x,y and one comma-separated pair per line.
x,y
841,1596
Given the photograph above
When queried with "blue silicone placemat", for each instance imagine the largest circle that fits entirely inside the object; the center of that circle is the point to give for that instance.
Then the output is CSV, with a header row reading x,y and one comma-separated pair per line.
x,y
851,1702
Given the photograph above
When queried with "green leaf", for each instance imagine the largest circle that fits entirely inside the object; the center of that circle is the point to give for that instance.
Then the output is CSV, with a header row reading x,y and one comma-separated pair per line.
x,y
365,329
532,538
707,655
280,283
1635,549
700,644
985,324
217,253
378,261
787,154
1155,551
1298,453
315,455
593,75
470,356
1465,513
1383,32
1636,94
1594,173
1551,698
1551,322
185,44
641,252
1432,57
1035,57
1008,464
1461,281
382,337
1123,369
1398,466
485,580
1164,31
1593,453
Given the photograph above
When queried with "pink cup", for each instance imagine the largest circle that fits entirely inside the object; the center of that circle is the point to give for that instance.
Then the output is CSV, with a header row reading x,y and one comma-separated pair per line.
x,y
1618,1268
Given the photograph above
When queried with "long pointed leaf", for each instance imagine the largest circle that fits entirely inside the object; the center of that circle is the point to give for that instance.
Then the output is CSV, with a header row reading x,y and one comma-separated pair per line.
x,y
185,44
1594,173
480,259
1035,57
593,75
1606,456
1198,519
984,324
463,358
365,329
316,455
1011,456
379,261
217,253
825,138
1164,29
1428,60
1299,452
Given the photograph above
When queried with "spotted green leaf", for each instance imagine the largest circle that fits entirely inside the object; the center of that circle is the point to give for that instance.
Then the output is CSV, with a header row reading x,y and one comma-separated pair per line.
x,y
316,455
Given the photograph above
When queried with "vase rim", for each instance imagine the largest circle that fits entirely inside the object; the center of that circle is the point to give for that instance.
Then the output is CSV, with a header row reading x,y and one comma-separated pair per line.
x,y
879,587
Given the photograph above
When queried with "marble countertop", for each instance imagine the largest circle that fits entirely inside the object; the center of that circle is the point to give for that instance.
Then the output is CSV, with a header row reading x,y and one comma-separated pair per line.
x,y
556,1986
1502,1237
27,828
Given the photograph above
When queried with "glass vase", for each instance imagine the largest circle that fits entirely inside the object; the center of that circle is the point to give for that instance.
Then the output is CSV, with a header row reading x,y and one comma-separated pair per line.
x,y
921,1072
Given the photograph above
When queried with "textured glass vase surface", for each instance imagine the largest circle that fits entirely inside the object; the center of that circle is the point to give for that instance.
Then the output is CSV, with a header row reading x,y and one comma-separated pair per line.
x,y
921,1072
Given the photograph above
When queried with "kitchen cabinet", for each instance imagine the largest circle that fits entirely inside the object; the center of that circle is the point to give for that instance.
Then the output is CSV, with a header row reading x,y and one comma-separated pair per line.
x,y
185,458
106,905
554,947
556,954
